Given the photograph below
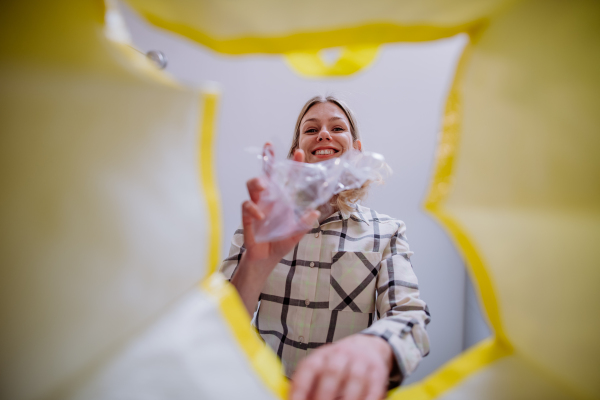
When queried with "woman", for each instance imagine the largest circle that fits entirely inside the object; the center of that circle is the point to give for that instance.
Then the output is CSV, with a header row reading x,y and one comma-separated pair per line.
x,y
347,281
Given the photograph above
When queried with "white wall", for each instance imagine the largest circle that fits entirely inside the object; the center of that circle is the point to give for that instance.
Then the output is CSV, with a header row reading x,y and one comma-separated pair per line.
x,y
398,102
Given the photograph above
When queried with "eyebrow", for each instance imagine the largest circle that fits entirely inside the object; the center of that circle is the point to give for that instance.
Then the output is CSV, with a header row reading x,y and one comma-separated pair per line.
x,y
315,119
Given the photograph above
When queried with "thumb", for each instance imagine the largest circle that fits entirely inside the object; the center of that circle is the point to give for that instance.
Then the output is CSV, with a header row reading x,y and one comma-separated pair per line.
x,y
299,155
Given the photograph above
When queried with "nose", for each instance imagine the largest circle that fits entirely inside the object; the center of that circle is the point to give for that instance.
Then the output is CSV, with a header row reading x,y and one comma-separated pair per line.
x,y
323,135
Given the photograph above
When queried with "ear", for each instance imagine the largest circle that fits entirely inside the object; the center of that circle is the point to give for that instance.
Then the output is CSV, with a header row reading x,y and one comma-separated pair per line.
x,y
357,145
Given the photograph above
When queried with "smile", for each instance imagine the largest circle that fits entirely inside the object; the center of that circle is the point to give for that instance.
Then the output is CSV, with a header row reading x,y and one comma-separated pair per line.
x,y
324,152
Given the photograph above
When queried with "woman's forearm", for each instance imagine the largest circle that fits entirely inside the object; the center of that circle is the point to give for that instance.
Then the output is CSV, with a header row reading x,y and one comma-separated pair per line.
x,y
249,280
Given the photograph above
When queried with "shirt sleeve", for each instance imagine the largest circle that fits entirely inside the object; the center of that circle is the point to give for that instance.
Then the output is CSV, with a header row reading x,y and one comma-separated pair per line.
x,y
402,314
229,265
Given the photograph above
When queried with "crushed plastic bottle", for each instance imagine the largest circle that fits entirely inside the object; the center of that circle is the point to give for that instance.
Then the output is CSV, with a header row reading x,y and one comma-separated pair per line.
x,y
294,188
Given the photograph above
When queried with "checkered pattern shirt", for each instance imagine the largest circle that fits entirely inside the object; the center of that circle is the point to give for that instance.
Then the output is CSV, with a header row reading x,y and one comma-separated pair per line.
x,y
349,274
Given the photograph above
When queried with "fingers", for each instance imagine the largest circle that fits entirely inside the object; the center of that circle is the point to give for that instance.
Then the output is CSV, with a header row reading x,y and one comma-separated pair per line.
x,y
250,212
321,376
299,155
332,378
255,186
357,385
346,370
305,377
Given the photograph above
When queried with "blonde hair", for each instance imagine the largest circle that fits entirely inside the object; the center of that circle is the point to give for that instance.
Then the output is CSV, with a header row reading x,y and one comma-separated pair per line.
x,y
346,200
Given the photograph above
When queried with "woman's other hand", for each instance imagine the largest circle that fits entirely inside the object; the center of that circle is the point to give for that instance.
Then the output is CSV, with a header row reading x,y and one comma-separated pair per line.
x,y
355,368
259,259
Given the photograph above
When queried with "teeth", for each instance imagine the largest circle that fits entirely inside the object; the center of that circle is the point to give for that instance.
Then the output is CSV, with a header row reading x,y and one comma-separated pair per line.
x,y
320,152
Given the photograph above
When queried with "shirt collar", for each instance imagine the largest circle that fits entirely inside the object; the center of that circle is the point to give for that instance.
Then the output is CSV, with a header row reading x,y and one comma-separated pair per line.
x,y
358,213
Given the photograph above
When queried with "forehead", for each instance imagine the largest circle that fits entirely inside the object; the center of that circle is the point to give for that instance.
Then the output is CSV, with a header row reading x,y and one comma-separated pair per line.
x,y
324,111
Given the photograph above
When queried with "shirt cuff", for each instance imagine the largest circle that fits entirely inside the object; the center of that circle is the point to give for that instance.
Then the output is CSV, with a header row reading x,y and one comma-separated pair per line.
x,y
406,352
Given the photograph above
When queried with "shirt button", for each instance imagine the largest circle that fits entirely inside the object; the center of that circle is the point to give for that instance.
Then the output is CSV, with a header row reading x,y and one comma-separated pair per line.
x,y
317,234
301,339
307,302
312,264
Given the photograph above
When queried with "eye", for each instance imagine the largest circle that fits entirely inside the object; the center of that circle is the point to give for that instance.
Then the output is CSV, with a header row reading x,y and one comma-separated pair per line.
x,y
310,130
338,129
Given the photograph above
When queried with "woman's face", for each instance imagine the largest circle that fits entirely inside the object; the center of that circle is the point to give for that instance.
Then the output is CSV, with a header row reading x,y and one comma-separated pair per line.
x,y
325,133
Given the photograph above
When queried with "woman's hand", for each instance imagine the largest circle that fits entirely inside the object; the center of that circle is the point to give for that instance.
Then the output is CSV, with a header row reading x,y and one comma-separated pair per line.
x,y
259,259
355,368
267,252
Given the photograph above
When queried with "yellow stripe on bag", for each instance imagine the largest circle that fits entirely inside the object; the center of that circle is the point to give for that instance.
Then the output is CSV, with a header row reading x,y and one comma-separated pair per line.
x,y
206,152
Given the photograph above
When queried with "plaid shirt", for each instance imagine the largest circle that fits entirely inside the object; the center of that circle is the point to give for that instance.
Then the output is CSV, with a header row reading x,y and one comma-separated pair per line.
x,y
350,274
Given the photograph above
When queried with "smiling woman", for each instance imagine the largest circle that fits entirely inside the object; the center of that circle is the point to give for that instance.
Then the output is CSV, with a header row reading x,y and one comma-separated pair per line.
x,y
347,281
326,128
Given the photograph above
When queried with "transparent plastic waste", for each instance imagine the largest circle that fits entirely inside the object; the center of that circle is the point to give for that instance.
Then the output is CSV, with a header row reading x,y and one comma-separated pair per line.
x,y
294,188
